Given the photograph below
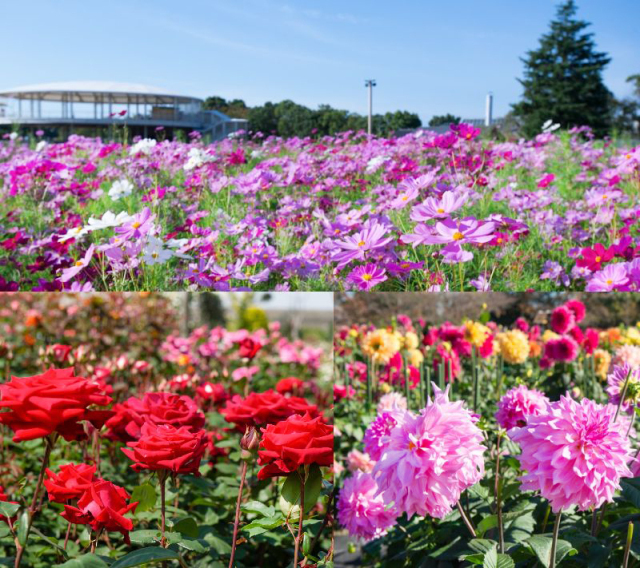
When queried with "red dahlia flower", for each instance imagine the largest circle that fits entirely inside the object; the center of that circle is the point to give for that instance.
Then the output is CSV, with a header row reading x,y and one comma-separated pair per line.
x,y
296,441
166,447
56,401
103,507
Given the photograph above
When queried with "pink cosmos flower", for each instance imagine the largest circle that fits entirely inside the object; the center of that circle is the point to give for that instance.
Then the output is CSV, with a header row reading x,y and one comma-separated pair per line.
x,y
574,454
356,246
468,230
361,510
406,195
367,277
431,458
518,404
69,273
611,277
438,208
562,319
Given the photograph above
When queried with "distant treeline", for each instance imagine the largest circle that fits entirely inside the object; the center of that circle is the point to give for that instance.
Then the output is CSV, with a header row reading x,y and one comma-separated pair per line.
x,y
287,118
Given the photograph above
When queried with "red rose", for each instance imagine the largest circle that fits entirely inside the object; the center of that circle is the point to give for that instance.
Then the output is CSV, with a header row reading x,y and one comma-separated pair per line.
x,y
166,447
294,442
58,352
71,483
156,408
249,348
55,401
215,392
103,507
264,408
290,384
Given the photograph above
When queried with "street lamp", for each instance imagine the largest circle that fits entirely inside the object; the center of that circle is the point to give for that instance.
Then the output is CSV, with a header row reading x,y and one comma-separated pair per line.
x,y
370,83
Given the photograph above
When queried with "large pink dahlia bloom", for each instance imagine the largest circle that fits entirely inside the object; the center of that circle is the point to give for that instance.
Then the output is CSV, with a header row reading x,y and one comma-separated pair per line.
x,y
518,404
574,454
360,510
431,458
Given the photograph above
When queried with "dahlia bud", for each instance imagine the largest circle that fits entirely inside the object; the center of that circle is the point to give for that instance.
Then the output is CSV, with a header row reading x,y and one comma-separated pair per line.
x,y
250,440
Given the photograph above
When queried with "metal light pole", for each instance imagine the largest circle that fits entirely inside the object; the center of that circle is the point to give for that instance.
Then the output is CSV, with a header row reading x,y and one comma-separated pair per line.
x,y
488,117
370,83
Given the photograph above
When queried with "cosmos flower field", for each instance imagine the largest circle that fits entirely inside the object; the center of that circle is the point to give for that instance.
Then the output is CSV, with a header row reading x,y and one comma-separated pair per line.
x,y
429,212
475,443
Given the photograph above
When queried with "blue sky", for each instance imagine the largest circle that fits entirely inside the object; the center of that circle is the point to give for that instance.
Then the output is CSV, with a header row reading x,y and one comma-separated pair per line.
x,y
428,56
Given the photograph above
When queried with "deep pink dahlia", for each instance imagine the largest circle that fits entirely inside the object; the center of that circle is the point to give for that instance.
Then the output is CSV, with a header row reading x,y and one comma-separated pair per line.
x,y
361,510
518,404
376,435
578,309
562,349
574,454
562,319
431,458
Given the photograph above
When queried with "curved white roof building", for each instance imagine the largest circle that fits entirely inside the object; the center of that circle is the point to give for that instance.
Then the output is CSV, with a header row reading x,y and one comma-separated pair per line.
x,y
65,105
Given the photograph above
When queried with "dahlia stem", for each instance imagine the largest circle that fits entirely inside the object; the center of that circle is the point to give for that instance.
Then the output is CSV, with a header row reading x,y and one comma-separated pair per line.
x,y
162,477
622,395
243,475
369,380
498,499
466,521
48,446
554,541
474,374
405,360
627,547
300,533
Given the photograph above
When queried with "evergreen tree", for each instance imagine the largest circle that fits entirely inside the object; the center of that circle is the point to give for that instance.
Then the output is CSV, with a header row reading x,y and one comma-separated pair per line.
x,y
563,78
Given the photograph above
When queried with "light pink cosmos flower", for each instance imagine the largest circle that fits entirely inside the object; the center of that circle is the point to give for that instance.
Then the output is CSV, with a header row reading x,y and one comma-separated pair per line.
x,y
405,196
431,458
356,246
69,273
611,277
518,404
438,208
361,510
467,230
574,454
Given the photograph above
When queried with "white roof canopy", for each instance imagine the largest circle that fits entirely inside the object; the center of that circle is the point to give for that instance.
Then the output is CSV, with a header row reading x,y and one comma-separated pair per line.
x,y
97,91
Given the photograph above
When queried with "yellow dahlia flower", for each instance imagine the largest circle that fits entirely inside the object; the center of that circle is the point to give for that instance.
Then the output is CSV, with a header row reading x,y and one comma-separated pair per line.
x,y
380,345
415,357
602,361
548,334
514,346
476,333
410,340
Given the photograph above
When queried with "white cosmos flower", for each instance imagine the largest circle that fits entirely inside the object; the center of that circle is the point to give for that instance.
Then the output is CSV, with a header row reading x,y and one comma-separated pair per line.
x,y
109,219
41,145
549,126
197,157
120,188
76,233
154,252
144,146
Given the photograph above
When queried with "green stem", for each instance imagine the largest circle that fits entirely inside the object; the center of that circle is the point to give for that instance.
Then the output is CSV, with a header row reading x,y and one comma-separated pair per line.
x,y
554,542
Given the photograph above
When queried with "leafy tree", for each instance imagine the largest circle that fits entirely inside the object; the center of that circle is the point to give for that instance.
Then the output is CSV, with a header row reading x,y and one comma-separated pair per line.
x,y
263,119
563,78
402,119
635,81
626,112
440,119
235,108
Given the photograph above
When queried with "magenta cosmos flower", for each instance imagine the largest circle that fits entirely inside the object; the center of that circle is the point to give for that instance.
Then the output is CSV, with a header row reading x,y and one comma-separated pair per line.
x,y
366,277
360,510
615,385
431,458
434,208
574,454
562,319
518,404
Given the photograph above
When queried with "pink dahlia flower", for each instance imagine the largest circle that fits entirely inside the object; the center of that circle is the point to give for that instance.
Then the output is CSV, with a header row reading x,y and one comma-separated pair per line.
x,y
357,461
562,349
615,385
578,308
518,404
376,436
361,510
390,402
431,458
574,454
562,319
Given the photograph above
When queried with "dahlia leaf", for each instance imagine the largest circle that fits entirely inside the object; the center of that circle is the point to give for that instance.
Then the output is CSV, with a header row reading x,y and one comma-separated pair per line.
x,y
541,546
494,560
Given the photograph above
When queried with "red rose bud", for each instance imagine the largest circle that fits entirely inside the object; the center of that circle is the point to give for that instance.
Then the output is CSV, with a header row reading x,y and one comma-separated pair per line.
x,y
168,448
250,440
296,441
55,401
249,348
58,353
103,507
71,483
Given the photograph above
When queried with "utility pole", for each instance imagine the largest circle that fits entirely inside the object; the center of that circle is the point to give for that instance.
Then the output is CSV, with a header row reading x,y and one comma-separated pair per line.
x,y
370,84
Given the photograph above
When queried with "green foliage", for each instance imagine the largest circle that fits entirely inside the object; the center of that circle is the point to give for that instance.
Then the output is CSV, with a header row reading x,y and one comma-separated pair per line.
x,y
563,78
235,108
441,119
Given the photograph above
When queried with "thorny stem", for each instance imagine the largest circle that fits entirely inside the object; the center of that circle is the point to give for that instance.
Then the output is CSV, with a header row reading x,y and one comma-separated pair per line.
x,y
48,446
163,481
243,475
